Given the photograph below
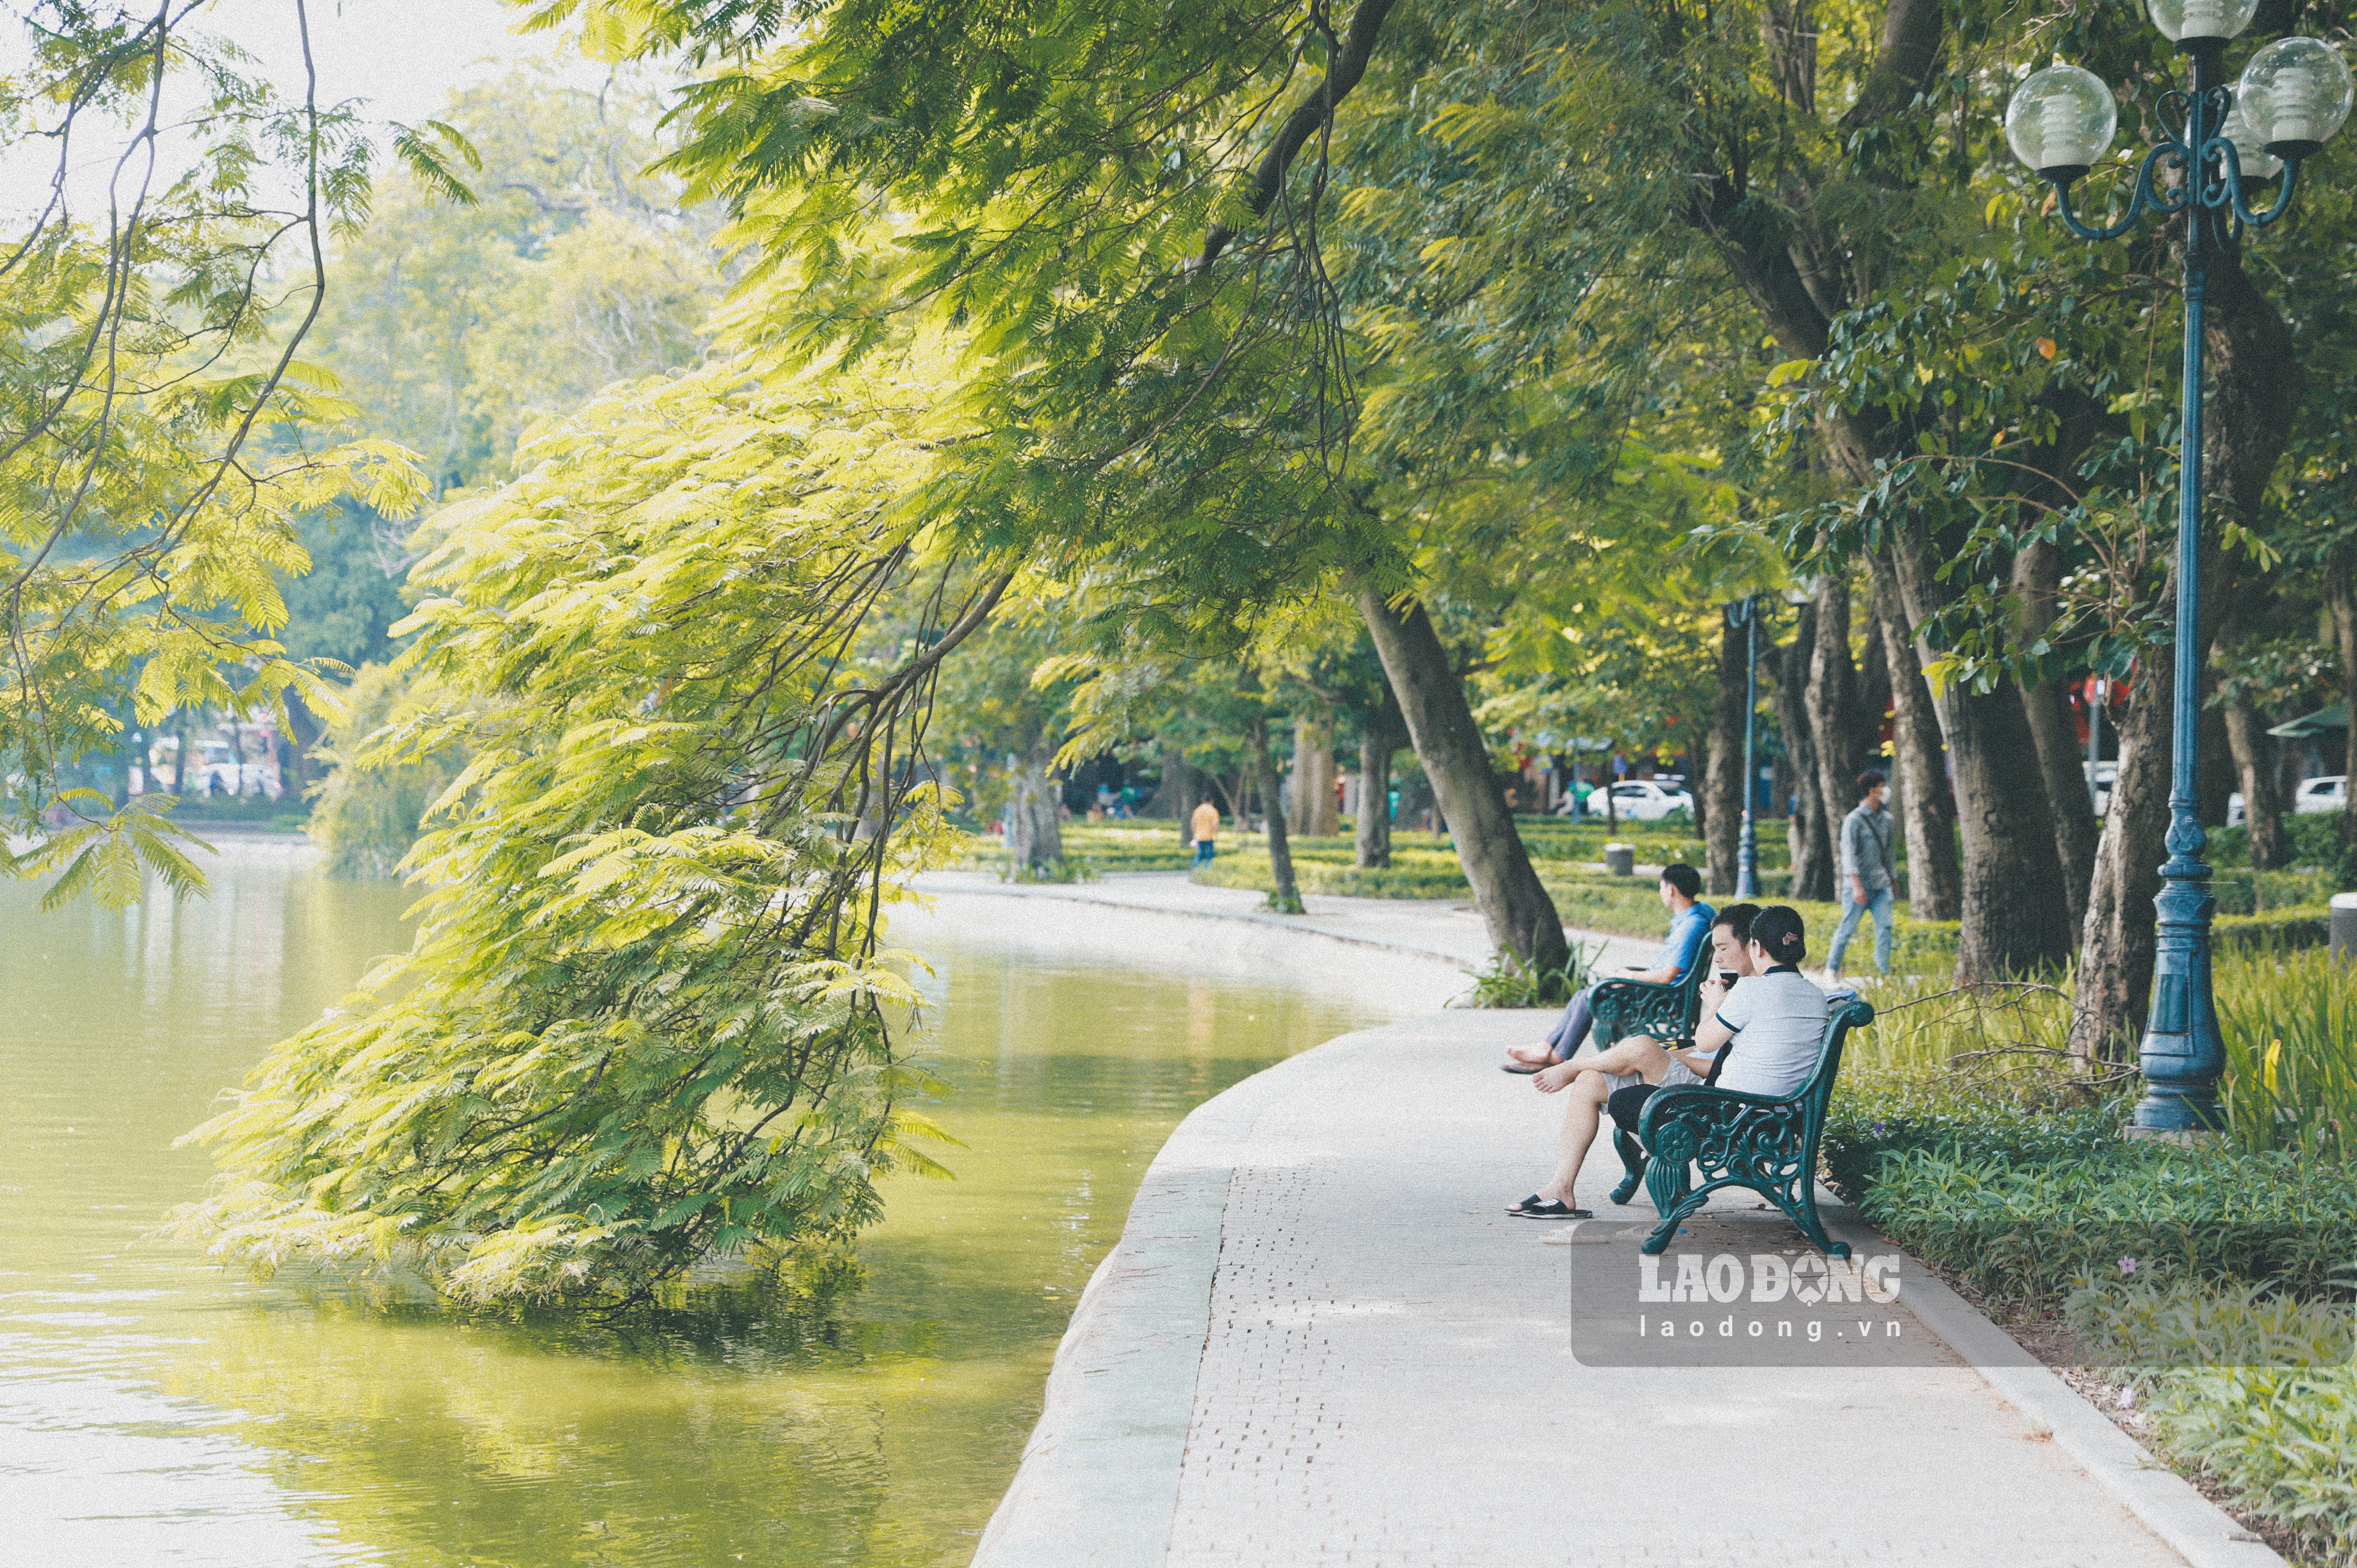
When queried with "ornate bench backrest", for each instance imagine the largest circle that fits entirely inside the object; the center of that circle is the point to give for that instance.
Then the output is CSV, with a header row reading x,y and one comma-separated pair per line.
x,y
1817,1093
1665,1012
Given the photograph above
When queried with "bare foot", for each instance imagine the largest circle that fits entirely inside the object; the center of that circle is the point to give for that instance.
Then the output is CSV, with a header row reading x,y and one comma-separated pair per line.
x,y
1555,1078
1530,1056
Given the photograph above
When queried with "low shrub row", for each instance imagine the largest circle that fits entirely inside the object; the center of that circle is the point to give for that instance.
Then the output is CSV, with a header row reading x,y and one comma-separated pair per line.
x,y
2264,892
1250,869
2247,1384
2315,843
2020,1119
2304,926
2027,1234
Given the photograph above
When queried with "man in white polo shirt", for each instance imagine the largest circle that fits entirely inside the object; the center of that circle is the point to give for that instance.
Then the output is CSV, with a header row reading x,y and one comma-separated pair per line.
x,y
1773,1021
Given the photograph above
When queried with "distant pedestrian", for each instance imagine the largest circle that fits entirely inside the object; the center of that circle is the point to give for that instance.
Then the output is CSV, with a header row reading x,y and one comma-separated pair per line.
x,y
1869,867
1205,827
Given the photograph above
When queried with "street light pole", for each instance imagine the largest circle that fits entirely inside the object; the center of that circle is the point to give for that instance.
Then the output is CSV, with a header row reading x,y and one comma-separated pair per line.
x,y
2293,95
1745,613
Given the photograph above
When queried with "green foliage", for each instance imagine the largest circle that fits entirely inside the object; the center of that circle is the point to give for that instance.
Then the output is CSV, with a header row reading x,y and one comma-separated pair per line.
x,y
1879,1115
2028,1233
1962,1132
1063,868
151,465
2314,843
2254,1388
457,327
646,1020
2289,1019
2270,892
107,854
1656,844
343,606
2302,926
1507,982
1105,849
370,809
1426,876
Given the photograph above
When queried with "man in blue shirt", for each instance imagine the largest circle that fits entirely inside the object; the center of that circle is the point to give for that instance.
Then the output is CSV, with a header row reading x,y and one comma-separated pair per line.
x,y
1689,928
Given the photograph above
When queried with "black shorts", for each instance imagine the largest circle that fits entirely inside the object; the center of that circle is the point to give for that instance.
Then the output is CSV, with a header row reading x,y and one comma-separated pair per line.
x,y
1627,1104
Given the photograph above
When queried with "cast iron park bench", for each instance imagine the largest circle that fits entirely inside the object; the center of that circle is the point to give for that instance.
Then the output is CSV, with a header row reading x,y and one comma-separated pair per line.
x,y
1664,1011
1730,1139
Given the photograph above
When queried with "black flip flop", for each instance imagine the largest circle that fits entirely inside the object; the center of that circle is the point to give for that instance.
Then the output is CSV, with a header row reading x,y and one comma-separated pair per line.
x,y
1524,1068
1532,1208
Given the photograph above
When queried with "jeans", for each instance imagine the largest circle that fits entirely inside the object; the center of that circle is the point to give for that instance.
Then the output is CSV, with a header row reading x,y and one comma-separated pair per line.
x,y
1878,903
1202,852
1570,1031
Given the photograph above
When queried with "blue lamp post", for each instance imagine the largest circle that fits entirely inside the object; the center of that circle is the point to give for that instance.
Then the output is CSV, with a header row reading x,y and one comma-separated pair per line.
x,y
2293,95
1745,613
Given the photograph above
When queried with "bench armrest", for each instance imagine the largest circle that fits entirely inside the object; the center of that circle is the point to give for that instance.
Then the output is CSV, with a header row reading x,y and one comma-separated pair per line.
x,y
1663,1010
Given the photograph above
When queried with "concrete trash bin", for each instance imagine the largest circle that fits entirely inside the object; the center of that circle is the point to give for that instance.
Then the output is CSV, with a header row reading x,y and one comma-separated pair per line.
x,y
2344,926
1620,860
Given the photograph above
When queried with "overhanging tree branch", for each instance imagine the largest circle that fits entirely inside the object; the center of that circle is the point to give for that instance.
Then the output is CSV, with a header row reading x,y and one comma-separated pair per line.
x,y
1345,72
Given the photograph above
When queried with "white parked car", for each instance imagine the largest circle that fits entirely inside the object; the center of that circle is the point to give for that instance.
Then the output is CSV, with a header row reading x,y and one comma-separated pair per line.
x,y
2329,793
1649,799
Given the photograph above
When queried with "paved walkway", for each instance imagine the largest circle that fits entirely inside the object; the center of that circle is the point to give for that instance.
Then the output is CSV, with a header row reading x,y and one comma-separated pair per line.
x,y
1437,928
1321,1342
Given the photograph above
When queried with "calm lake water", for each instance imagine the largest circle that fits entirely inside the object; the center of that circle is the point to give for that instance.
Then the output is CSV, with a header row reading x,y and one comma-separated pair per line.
x,y
154,1409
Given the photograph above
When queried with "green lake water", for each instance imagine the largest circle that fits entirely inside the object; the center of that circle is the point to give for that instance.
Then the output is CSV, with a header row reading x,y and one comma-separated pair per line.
x,y
154,1409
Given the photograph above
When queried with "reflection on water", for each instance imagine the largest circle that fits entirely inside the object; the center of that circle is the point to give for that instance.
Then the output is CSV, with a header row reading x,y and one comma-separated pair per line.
x,y
867,1410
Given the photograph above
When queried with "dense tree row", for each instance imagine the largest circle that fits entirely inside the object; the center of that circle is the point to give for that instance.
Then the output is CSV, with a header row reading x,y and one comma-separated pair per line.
x,y
929,389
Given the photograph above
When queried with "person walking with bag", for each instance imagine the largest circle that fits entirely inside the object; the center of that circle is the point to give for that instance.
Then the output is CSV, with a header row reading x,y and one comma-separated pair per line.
x,y
1869,870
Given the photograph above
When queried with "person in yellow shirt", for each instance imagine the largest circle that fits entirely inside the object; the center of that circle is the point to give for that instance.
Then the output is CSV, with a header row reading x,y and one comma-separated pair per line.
x,y
1205,826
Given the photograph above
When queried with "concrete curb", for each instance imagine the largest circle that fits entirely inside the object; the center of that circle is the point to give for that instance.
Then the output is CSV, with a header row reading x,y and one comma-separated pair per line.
x,y
1099,1480
2164,1502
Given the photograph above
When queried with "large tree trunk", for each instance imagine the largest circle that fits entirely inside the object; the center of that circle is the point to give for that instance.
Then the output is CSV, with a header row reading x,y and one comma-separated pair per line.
x,y
1724,784
1871,704
1305,746
1934,882
2116,946
1833,719
1035,832
1811,844
2217,759
1177,793
2256,382
1284,898
305,733
1520,918
1372,846
2015,915
2037,579
1312,813
2262,802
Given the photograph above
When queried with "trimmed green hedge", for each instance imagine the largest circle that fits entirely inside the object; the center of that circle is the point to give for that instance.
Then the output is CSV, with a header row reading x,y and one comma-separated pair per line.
x,y
2029,1233
2023,1186
1875,1114
1250,869
2306,926
2315,842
